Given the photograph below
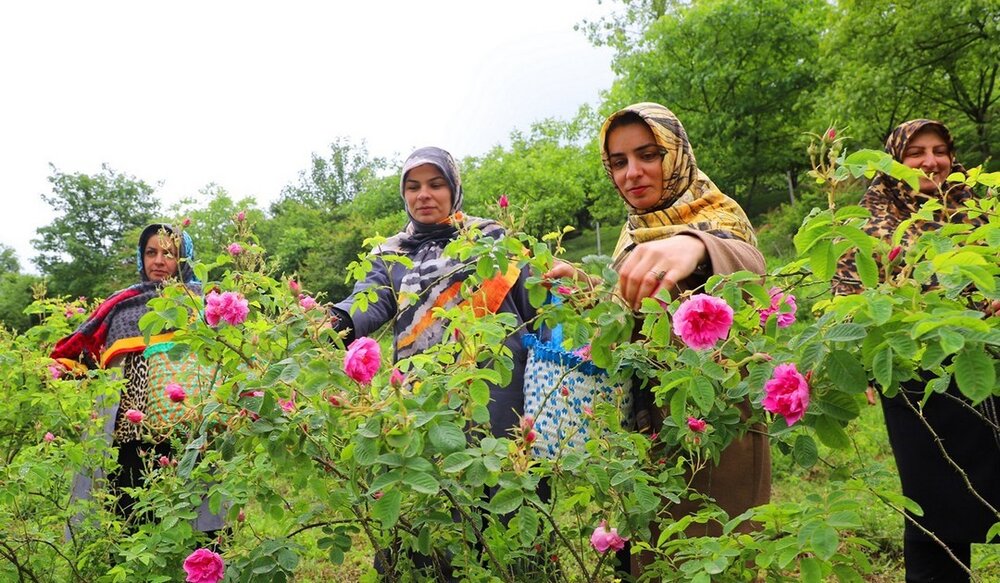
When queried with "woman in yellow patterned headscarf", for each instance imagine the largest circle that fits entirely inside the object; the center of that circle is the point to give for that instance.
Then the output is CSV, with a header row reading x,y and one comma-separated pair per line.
x,y
681,228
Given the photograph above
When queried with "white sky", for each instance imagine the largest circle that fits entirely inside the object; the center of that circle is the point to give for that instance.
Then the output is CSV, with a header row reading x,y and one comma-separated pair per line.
x,y
187,93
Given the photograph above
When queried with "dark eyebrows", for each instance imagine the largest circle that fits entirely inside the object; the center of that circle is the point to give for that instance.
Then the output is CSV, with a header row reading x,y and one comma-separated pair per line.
x,y
638,150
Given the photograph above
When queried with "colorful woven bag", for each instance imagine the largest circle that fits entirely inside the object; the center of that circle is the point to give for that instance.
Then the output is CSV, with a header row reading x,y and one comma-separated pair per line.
x,y
162,414
558,385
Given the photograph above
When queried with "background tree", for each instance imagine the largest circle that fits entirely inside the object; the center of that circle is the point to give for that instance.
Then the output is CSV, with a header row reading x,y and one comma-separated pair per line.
x,y
739,76
95,213
887,63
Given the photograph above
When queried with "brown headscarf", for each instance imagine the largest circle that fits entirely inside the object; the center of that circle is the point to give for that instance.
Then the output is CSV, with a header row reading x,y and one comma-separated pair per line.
x,y
892,201
690,199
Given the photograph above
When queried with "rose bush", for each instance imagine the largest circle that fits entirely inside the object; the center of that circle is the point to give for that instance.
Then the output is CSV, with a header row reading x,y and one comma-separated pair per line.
x,y
322,448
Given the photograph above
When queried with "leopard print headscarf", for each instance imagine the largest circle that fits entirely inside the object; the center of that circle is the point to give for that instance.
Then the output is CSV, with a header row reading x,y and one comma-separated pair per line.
x,y
892,201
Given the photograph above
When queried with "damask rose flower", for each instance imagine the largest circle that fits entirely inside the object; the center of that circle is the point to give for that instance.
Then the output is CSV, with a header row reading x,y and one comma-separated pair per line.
x,y
696,425
186,222
164,461
396,378
49,438
204,566
307,302
363,359
604,539
530,437
831,134
241,516
527,422
55,370
235,249
241,216
702,321
287,405
294,286
785,318
176,393
230,307
134,416
787,393
583,352
894,253
504,202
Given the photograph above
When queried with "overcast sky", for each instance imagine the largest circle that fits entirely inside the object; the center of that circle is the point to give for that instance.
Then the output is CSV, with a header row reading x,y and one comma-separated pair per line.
x,y
183,94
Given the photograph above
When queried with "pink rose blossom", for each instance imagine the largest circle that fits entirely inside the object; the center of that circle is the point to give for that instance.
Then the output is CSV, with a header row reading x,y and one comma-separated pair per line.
x,y
335,401
204,566
378,495
702,321
696,425
55,370
287,405
307,302
134,416
530,437
186,222
164,461
564,290
564,391
241,216
785,318
583,352
604,540
241,516
527,422
235,249
587,411
176,393
362,361
49,438
894,253
294,286
229,307
70,312
504,202
787,393
831,134
396,378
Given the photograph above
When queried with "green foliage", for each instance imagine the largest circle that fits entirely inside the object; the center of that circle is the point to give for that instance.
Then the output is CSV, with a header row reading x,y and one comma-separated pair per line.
x,y
95,215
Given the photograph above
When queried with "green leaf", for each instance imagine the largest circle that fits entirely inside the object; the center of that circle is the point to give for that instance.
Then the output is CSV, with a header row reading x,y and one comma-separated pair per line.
x,y
645,496
975,373
447,437
479,392
951,341
702,393
880,309
846,372
882,366
867,269
421,482
386,508
457,462
845,333
809,568
527,523
804,451
822,260
839,405
824,542
365,451
506,501
831,433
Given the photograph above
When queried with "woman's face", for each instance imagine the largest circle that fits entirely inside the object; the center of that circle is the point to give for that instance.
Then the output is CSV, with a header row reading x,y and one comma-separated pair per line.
x,y
928,151
159,258
636,162
427,194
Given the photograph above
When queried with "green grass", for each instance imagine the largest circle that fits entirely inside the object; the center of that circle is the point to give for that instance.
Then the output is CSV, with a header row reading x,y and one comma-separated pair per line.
x,y
585,243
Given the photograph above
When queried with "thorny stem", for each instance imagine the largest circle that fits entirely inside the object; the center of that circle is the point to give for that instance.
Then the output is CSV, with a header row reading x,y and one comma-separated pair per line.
x,y
559,533
479,536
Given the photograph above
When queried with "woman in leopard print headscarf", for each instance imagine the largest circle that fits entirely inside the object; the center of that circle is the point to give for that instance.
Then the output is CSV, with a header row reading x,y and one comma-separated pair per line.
x,y
969,435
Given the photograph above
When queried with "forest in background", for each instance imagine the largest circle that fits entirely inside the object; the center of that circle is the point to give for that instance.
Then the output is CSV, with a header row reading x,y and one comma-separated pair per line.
x,y
749,80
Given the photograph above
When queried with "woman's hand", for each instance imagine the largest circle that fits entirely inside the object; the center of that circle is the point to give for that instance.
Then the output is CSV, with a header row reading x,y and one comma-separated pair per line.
x,y
657,265
563,270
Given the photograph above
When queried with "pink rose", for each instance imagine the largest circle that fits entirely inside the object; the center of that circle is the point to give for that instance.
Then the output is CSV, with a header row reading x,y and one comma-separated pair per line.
x,y
186,222
583,352
164,461
294,286
831,134
396,378
362,361
564,391
49,438
241,216
587,411
241,516
335,400
604,540
894,253
235,249
204,566
785,318
527,422
230,307
287,405
176,393
530,437
702,321
307,302
787,393
504,202
134,416
55,370
696,425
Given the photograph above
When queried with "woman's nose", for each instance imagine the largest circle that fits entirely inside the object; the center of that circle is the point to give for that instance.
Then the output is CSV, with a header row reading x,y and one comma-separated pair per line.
x,y
633,170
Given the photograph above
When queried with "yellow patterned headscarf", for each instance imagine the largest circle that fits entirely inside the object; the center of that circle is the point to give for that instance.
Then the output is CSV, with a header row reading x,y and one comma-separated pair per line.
x,y
690,199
